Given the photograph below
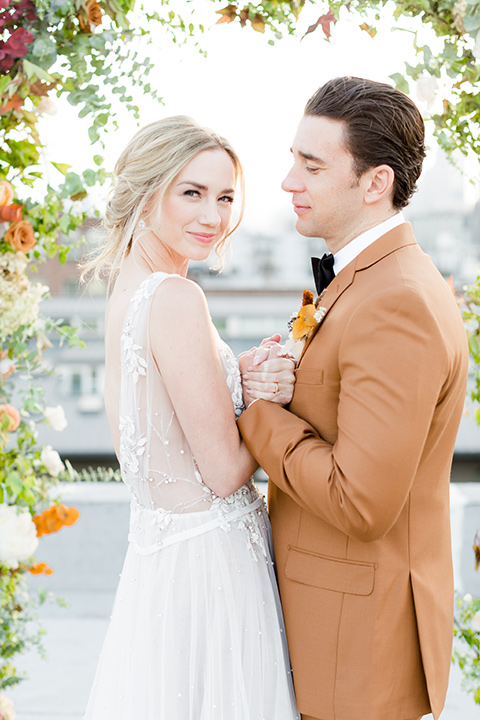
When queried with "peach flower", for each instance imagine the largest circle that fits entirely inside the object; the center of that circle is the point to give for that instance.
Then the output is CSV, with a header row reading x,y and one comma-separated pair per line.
x,y
13,415
6,193
20,236
94,12
11,213
93,15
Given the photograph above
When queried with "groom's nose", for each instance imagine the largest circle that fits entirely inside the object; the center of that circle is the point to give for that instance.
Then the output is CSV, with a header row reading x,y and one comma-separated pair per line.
x,y
292,183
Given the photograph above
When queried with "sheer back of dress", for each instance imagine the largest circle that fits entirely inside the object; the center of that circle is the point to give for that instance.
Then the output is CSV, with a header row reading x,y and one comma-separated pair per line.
x,y
155,458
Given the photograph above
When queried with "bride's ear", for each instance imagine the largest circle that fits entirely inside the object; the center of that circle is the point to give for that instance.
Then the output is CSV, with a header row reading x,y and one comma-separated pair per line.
x,y
379,184
151,209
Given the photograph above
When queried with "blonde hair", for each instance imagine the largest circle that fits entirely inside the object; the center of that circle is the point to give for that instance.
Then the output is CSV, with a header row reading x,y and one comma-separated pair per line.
x,y
144,171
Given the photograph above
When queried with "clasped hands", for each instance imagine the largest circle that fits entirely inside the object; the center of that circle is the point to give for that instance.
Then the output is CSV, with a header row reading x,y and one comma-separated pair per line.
x,y
268,372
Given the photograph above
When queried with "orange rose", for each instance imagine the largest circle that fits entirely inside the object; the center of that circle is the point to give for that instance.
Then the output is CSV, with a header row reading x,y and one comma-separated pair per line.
x,y
53,519
20,236
94,12
13,415
6,193
91,16
10,213
40,568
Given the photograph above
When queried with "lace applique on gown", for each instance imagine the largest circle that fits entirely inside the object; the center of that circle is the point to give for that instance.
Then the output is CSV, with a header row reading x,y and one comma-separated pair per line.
x,y
197,631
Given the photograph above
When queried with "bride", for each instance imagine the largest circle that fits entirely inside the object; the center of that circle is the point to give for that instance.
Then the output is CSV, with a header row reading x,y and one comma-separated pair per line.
x,y
197,631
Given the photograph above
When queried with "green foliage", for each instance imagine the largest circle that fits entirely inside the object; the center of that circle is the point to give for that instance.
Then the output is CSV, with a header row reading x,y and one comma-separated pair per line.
x,y
454,68
471,316
94,474
466,652
20,628
82,52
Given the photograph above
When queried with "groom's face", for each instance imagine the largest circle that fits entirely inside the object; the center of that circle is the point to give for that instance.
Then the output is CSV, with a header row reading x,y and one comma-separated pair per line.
x,y
326,194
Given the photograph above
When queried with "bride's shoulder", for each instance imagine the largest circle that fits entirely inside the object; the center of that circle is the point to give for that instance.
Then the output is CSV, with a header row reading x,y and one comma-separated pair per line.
x,y
177,296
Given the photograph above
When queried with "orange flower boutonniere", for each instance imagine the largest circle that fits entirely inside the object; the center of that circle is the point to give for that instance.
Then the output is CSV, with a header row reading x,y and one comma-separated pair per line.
x,y
302,324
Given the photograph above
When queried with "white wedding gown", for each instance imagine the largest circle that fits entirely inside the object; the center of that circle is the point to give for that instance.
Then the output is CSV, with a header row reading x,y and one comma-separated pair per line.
x,y
197,629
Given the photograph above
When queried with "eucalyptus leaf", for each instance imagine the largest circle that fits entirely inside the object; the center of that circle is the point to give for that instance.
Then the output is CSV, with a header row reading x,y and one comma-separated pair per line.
x,y
35,71
61,167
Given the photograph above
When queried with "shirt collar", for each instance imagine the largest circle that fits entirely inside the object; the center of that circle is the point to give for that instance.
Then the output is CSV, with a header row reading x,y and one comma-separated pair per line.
x,y
348,253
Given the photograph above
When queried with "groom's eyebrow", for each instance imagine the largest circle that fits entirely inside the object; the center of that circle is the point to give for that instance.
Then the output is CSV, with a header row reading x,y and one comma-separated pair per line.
x,y
307,156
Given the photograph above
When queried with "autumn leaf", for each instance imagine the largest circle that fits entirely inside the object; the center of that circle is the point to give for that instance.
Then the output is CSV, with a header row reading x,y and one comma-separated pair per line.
x,y
15,103
228,14
325,21
258,23
369,29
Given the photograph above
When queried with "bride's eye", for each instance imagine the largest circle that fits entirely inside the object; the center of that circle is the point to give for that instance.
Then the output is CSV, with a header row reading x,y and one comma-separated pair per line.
x,y
191,193
226,199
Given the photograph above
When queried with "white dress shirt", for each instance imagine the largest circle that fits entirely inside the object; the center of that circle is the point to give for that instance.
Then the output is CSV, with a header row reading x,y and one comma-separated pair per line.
x,y
348,253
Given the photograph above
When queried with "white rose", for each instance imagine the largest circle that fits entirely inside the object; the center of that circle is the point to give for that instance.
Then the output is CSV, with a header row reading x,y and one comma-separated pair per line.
x,y
476,621
51,459
55,417
426,88
18,535
7,711
7,367
459,10
467,598
46,105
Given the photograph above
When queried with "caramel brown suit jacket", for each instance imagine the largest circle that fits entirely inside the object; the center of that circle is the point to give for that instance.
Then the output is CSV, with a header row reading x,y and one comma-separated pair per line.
x,y
359,469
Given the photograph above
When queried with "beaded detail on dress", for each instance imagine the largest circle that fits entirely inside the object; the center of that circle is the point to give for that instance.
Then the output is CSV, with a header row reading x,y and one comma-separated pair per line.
x,y
155,458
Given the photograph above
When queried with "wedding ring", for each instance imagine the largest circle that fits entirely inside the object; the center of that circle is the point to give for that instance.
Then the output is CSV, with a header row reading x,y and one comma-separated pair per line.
x,y
277,389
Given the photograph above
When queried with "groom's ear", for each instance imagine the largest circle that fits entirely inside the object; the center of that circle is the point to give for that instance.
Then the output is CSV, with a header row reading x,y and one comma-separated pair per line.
x,y
379,184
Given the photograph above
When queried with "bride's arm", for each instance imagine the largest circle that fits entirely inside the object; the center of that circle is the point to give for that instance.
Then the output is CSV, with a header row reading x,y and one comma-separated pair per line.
x,y
184,348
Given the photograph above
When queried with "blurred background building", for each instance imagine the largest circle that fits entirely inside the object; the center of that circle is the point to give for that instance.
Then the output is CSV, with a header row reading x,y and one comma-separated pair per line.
x,y
252,298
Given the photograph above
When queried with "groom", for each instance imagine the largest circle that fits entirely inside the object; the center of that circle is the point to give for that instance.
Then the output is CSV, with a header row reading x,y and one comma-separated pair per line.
x,y
359,464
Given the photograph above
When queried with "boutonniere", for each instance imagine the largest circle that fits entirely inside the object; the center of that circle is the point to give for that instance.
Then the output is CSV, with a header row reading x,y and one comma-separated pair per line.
x,y
303,323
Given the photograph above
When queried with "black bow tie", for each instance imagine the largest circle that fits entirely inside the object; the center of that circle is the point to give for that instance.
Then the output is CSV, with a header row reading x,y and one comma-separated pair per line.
x,y
323,271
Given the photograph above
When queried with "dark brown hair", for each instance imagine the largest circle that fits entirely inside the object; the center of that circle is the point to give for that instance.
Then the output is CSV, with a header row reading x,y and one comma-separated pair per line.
x,y
383,127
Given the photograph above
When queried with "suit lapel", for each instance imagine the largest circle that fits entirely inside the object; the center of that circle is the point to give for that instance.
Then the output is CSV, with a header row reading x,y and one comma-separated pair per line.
x,y
385,245
328,299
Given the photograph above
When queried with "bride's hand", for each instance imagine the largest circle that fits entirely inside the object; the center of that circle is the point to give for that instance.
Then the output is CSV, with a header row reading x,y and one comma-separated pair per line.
x,y
268,373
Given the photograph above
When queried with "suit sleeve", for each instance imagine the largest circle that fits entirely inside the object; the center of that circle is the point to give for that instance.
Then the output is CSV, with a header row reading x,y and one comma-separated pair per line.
x,y
392,364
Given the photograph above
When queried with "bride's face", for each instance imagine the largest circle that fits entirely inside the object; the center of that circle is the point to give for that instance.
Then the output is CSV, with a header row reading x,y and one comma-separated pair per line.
x,y
197,207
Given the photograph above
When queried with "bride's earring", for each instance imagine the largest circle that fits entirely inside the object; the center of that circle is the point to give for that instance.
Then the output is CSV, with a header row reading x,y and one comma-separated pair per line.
x,y
142,225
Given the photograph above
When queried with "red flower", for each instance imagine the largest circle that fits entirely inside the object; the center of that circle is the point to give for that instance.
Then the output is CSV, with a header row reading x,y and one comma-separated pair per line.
x,y
6,62
16,44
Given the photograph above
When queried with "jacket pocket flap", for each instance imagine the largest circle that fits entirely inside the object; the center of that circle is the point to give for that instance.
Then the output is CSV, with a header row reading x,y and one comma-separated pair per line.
x,y
308,376
345,576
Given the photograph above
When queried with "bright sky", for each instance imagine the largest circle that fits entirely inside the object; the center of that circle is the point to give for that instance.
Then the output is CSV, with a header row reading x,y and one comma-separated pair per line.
x,y
247,90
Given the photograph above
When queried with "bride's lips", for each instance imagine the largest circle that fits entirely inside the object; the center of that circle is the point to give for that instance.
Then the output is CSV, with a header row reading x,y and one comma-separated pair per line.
x,y
206,238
